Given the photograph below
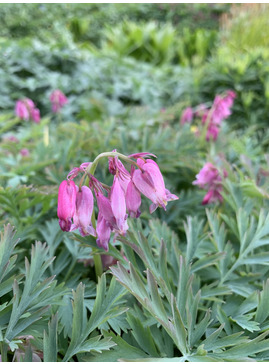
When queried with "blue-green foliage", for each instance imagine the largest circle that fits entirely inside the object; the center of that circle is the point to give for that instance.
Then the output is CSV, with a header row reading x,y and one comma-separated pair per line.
x,y
190,283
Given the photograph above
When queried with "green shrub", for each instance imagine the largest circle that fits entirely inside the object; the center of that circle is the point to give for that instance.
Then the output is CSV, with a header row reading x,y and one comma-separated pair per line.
x,y
245,27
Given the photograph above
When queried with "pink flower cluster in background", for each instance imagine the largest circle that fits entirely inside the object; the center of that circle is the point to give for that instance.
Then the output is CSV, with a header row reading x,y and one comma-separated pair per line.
x,y
24,152
187,116
58,100
76,205
210,179
211,117
25,110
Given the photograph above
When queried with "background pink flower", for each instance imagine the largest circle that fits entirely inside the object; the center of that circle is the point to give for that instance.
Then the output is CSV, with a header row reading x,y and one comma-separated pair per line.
x,y
58,100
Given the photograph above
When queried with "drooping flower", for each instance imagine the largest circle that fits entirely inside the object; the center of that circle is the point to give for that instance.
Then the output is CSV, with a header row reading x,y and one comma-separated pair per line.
x,y
219,111
103,231
207,176
35,115
21,110
115,166
210,179
213,195
212,132
11,138
75,205
221,107
187,116
133,200
118,206
83,213
24,152
149,181
105,208
76,170
58,100
25,109
66,204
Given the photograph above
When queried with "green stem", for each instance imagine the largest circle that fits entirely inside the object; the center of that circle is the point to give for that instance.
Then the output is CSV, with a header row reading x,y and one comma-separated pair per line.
x,y
4,352
98,266
92,167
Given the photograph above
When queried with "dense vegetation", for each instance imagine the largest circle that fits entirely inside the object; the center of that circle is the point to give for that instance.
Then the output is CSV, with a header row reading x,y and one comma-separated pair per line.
x,y
186,284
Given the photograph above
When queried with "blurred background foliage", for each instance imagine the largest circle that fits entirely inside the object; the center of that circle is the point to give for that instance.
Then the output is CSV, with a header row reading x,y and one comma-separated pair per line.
x,y
109,56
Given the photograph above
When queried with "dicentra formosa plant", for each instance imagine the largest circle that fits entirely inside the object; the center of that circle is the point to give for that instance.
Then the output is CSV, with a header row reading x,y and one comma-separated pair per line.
x,y
76,202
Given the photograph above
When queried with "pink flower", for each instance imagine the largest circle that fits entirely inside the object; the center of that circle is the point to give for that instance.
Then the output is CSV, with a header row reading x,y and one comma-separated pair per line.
x,y
149,181
199,110
212,132
118,206
113,209
25,109
21,110
207,176
133,200
83,213
58,100
11,138
213,195
105,208
210,179
76,206
115,166
221,107
219,111
66,204
187,116
24,152
35,115
76,170
103,231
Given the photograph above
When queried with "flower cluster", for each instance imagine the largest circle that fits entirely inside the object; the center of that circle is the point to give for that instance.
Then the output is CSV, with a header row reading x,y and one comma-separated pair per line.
x,y
25,109
187,116
58,100
210,179
115,203
211,117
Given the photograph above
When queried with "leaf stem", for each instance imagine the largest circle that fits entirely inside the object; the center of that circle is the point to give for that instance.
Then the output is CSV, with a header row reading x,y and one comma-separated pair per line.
x,y
98,266
3,352
91,168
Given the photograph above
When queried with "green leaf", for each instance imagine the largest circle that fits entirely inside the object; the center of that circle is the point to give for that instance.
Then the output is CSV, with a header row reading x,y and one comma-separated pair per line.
x,y
262,310
249,348
121,350
200,329
206,261
142,335
96,344
179,328
7,245
193,230
246,323
50,342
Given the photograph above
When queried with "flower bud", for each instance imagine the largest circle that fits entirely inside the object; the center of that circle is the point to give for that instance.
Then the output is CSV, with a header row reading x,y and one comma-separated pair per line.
x,y
66,204
103,231
84,210
133,200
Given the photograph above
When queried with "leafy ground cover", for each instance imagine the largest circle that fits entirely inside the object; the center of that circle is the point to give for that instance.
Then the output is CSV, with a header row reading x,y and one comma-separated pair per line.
x,y
186,284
